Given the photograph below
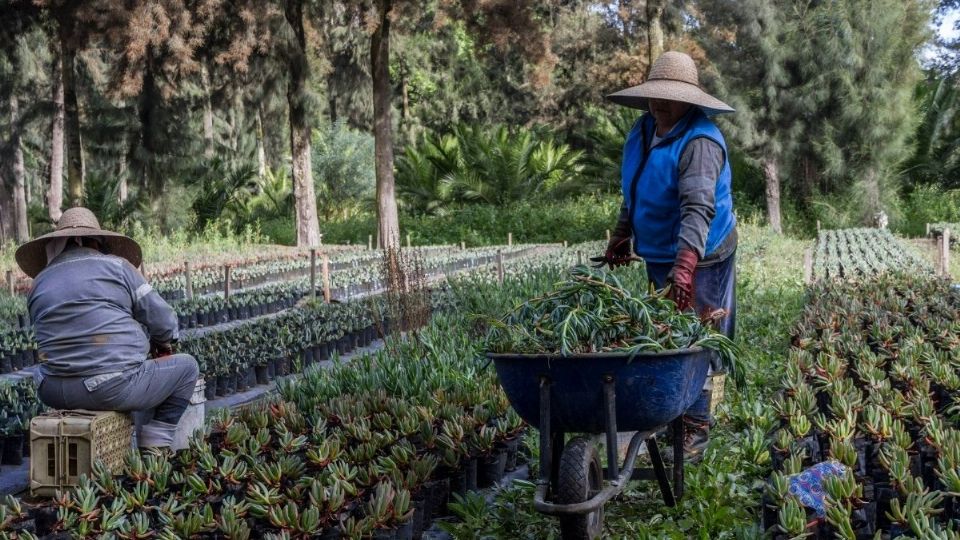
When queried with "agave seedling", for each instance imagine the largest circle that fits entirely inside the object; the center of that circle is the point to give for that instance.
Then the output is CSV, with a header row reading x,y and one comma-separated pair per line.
x,y
289,518
843,451
137,526
877,423
838,516
793,520
915,504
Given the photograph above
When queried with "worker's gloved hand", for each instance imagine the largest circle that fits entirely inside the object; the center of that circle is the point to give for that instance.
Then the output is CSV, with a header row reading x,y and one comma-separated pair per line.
x,y
682,274
618,251
159,350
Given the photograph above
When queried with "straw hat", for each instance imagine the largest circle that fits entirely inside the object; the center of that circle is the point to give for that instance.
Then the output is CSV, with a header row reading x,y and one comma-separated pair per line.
x,y
78,221
673,77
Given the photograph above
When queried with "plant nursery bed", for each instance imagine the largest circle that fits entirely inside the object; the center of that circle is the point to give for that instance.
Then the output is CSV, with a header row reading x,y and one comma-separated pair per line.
x,y
14,480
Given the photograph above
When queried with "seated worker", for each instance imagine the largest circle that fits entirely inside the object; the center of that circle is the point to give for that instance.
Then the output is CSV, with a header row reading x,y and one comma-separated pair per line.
x,y
96,319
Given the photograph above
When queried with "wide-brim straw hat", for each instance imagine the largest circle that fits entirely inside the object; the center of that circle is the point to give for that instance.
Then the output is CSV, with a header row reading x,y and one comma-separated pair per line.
x,y
77,221
673,77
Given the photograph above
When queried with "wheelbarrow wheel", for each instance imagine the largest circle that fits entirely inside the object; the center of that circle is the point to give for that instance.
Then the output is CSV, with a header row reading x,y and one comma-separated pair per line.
x,y
580,478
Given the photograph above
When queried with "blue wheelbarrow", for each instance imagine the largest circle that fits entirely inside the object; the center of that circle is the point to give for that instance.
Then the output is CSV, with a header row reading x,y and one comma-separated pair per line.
x,y
595,395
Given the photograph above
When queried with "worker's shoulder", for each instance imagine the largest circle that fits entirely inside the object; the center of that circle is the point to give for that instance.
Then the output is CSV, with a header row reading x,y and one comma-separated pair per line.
x,y
84,263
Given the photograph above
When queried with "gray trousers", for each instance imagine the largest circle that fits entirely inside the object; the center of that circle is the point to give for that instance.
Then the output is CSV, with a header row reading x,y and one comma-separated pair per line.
x,y
163,386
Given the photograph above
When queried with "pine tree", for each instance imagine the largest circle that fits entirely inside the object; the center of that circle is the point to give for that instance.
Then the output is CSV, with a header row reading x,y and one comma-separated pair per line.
x,y
750,43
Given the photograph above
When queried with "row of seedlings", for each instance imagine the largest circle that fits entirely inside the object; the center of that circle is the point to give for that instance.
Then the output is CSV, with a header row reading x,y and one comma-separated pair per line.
x,y
854,254
871,383
367,449
213,309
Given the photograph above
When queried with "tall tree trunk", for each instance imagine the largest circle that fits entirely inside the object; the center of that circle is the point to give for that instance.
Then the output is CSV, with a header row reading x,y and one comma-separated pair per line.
x,y
654,31
388,220
6,207
308,226
21,233
331,98
123,188
55,189
207,113
261,151
871,185
71,109
771,174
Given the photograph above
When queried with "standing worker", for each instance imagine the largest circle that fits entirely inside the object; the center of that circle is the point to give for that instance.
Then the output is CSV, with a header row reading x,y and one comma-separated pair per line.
x,y
677,204
96,320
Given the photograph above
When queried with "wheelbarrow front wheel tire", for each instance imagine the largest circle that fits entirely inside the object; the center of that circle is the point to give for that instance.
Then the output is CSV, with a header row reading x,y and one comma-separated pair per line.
x,y
580,478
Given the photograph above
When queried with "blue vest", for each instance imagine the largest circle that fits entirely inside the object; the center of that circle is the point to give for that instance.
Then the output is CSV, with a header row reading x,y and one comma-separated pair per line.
x,y
650,180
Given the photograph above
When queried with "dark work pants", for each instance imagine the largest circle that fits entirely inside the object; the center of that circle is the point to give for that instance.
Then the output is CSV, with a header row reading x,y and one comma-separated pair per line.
x,y
715,287
164,385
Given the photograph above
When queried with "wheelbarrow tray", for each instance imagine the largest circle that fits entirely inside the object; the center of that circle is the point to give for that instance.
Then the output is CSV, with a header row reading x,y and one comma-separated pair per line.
x,y
651,388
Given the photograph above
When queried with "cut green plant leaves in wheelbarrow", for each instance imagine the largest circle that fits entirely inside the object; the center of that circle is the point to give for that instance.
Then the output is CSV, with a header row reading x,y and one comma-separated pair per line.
x,y
592,312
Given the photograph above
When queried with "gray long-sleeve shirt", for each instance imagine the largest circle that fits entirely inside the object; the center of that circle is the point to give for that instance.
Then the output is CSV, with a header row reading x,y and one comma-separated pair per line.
x,y
95,314
700,166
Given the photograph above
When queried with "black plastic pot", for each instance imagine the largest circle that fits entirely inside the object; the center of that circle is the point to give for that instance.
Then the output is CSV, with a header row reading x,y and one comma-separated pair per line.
x,y
16,360
262,375
306,357
222,385
490,469
472,473
417,519
510,447
6,363
319,353
232,383
242,382
458,482
210,390
13,449
271,370
341,346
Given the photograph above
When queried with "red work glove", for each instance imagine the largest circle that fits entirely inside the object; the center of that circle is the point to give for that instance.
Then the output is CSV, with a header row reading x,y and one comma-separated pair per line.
x,y
684,268
618,251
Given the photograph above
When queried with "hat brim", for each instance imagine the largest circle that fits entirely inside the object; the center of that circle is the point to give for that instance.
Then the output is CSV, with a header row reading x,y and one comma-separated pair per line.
x,y
636,97
32,256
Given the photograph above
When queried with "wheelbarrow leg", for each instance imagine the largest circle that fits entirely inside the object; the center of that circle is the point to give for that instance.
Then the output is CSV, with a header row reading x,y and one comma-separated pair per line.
x,y
546,447
660,471
678,456
551,442
610,420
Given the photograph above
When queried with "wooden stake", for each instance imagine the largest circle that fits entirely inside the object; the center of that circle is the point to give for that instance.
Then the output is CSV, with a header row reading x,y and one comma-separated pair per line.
x,y
408,240
189,282
608,236
463,245
579,258
564,244
928,229
509,239
818,226
945,252
313,274
326,279
808,266
499,266
226,282
320,242
369,241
